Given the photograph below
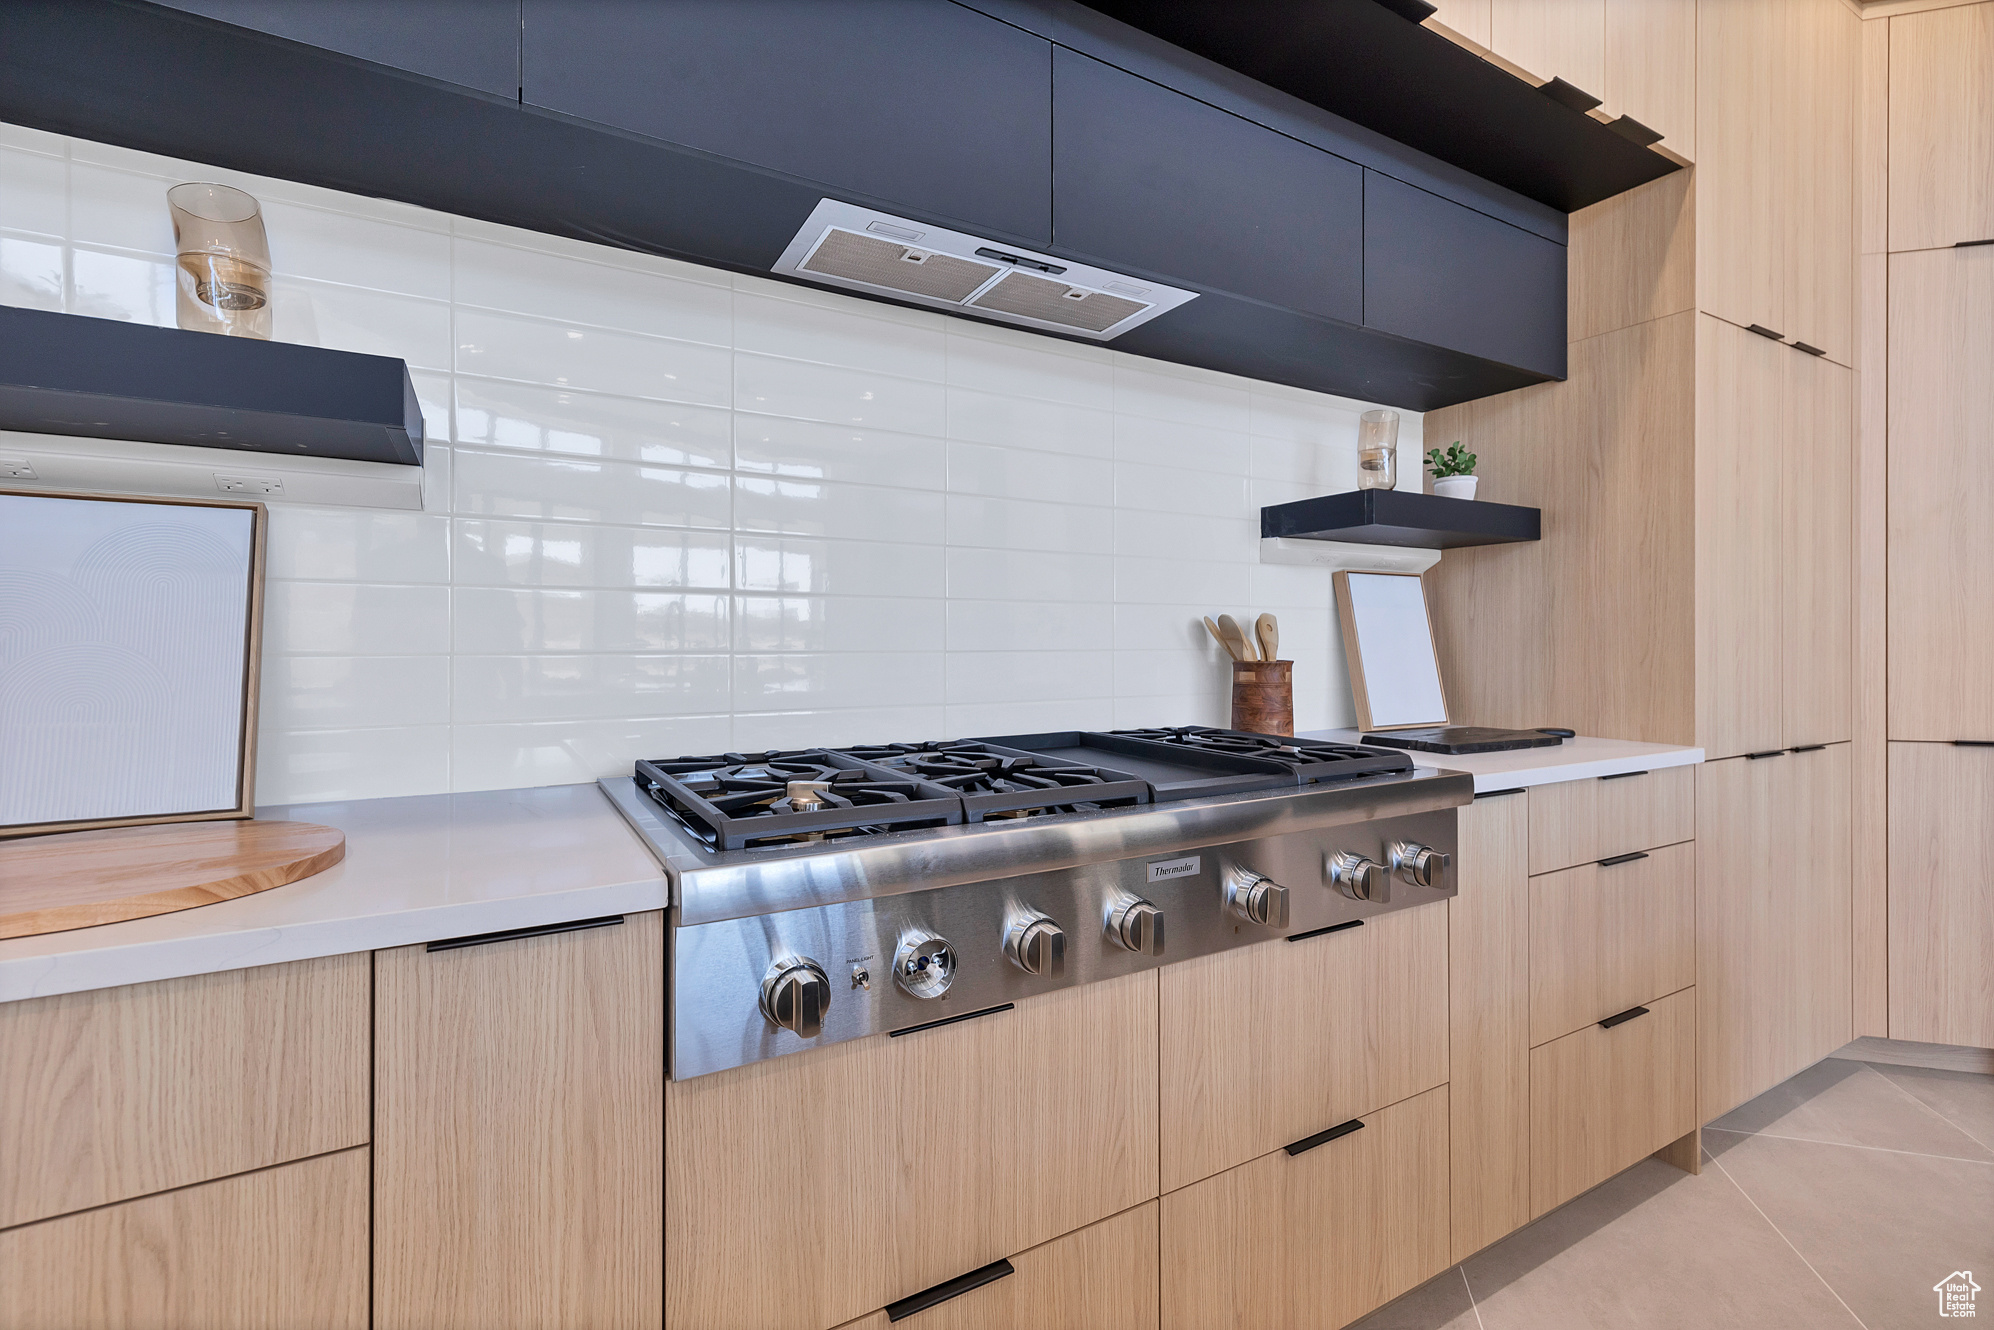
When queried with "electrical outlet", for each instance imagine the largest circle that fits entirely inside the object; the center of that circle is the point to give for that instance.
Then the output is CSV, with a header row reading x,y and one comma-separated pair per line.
x,y
17,468
266,485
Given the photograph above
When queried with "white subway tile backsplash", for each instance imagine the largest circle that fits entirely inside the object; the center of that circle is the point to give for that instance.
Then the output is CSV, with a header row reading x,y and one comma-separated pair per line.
x,y
1175,444
573,554
1024,422
355,619
358,545
1041,368
814,450
865,679
1030,575
37,194
1169,489
506,346
132,288
356,251
509,688
1004,719
795,506
509,755
1025,676
836,567
1175,672
31,272
1179,393
349,692
977,468
554,286
496,413
351,318
573,489
837,394
310,766
756,732
121,209
1176,581
33,140
1140,534
1180,626
837,623
494,621
847,336
1021,524
1018,625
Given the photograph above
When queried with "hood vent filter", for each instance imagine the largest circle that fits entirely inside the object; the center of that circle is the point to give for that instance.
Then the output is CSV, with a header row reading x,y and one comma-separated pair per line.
x,y
856,248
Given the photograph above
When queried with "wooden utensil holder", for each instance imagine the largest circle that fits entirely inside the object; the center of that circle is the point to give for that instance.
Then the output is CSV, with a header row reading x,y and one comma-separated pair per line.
x,y
1263,696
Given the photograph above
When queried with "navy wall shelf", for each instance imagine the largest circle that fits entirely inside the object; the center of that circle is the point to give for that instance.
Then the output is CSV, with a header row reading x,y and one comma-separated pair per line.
x,y
1399,517
100,378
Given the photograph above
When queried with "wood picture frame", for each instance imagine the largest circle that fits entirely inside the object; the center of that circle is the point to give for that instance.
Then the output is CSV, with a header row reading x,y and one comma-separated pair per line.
x,y
243,804
1361,688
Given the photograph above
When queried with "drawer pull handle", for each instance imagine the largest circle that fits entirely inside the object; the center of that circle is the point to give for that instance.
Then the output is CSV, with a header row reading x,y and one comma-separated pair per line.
x,y
1973,743
1318,932
1809,748
948,1288
1324,1137
1623,859
1764,331
1969,244
950,1020
1623,1017
1497,794
512,934
1623,775
1771,752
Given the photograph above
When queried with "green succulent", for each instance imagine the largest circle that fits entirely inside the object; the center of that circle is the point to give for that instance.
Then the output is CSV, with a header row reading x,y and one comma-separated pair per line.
x,y
1454,462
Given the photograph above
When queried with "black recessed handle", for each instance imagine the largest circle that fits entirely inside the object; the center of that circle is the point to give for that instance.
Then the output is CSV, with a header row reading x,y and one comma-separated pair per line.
x,y
950,1020
948,1288
1770,752
1324,1137
513,934
1623,1017
1971,244
1623,775
1412,11
1497,794
1808,748
1973,743
1318,932
1799,345
1764,331
1623,859
1568,94
1636,133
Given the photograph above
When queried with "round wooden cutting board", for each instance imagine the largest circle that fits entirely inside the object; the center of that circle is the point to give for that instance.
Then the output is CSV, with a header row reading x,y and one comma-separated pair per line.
x,y
81,878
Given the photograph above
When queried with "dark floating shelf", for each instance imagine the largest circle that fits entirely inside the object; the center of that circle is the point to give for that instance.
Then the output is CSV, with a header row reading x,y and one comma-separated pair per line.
x,y
1400,517
103,379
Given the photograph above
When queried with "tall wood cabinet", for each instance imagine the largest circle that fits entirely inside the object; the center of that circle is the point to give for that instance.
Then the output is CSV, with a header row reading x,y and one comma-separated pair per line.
x,y
1941,99
1942,894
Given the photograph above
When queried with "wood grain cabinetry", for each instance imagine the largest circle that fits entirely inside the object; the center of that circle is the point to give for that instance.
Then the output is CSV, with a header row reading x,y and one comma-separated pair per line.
x,y
519,1132
1942,127
1942,894
1103,1277
1584,821
122,1092
1604,1099
1318,1238
1773,947
871,1170
282,1246
1268,1044
1817,550
1941,443
1607,937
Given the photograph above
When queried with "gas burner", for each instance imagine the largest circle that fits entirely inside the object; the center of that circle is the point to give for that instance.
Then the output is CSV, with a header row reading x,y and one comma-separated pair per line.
x,y
1310,759
997,782
734,801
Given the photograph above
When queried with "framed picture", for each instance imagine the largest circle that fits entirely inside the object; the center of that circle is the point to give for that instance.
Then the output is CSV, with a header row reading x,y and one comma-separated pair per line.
x,y
130,640
1388,644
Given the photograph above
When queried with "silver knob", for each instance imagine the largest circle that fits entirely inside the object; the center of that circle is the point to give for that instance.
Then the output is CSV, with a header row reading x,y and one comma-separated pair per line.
x,y
796,994
1036,945
1419,865
924,965
1256,898
1138,926
1359,878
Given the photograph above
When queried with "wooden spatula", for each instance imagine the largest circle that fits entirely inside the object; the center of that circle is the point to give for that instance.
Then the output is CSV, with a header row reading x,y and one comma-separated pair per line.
x,y
1269,634
1219,637
1242,648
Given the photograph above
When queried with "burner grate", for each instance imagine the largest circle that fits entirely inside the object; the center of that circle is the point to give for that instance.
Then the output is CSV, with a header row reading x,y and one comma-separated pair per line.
x,y
1309,759
1006,783
737,801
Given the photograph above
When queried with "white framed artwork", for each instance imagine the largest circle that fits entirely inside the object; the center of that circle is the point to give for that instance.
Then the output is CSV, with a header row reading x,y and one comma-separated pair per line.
x,y
1388,644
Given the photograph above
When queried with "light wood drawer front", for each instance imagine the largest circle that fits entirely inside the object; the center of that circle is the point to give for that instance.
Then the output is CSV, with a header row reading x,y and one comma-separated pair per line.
x,y
877,1168
1103,1277
1604,938
1602,1100
279,1247
1581,821
122,1092
1315,1239
1267,1044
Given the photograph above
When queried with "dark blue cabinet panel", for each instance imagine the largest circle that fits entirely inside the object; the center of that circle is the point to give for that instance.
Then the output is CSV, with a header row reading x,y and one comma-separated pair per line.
x,y
471,42
1439,273
917,102
1150,179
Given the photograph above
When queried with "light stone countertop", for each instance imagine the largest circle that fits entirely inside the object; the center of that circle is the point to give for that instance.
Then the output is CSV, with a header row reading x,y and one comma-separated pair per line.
x,y
1518,768
416,869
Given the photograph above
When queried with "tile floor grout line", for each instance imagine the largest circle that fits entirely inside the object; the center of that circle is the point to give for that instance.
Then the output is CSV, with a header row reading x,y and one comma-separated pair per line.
x,y
1928,1108
1849,1145
1473,1305
1783,1238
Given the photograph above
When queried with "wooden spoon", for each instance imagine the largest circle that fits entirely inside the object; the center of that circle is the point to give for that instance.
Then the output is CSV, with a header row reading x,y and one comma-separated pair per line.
x,y
1242,649
1219,637
1269,634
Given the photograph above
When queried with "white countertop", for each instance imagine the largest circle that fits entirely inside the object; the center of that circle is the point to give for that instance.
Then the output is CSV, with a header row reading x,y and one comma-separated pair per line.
x,y
416,870
1574,759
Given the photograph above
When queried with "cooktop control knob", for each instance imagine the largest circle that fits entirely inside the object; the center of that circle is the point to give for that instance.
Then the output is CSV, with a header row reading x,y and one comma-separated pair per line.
x,y
1359,878
924,965
796,994
1138,926
1419,865
1036,945
1256,898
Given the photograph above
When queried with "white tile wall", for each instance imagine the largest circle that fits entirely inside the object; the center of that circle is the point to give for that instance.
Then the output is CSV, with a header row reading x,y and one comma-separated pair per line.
x,y
675,510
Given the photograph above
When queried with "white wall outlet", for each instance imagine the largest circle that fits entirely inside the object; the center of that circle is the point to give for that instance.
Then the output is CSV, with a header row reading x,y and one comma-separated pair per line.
x,y
269,485
17,468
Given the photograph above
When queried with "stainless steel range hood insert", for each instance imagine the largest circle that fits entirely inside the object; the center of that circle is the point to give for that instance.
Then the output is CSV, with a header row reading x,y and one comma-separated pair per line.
x,y
862,250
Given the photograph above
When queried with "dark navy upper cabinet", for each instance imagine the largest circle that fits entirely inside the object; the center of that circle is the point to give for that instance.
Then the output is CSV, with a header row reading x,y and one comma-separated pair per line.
x,y
474,43
917,102
1150,179
1440,273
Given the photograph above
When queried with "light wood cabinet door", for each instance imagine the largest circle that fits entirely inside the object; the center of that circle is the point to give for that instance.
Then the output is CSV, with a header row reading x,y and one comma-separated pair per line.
x,y
871,1170
1817,646
1941,894
1818,118
1553,39
1318,1238
1942,127
1488,1022
122,1092
1816,820
1103,1277
1584,821
1651,67
1742,73
281,1246
1940,570
1604,1099
519,1132
1268,1044
1607,937
1740,417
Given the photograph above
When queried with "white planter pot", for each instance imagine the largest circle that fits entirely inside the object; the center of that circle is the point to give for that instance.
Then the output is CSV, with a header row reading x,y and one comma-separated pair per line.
x,y
1455,487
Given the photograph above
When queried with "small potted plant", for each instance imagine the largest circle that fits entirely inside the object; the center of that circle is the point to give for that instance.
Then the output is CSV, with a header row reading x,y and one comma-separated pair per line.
x,y
1453,471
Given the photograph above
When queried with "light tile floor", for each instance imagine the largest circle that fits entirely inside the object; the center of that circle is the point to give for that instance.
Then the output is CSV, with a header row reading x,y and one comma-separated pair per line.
x,y
1837,1199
